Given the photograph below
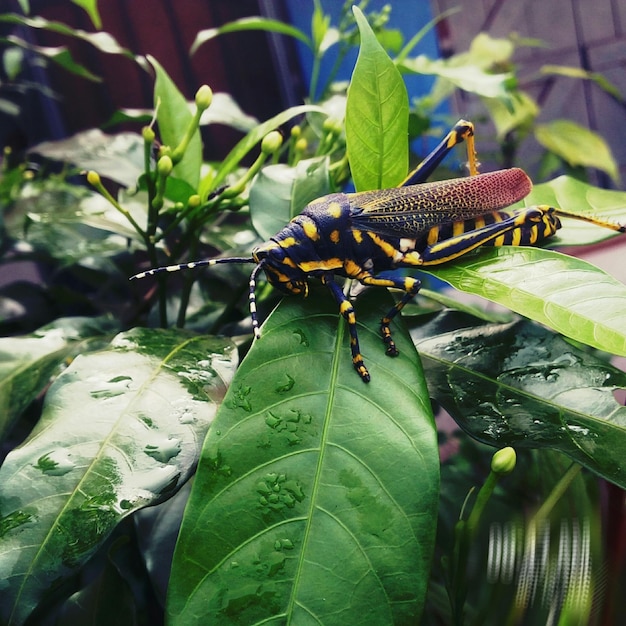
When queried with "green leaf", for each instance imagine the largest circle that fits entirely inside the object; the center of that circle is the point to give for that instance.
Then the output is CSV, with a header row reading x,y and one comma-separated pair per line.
x,y
464,74
250,23
316,495
121,429
521,385
174,117
231,162
577,145
28,363
118,157
91,8
102,41
579,72
567,294
516,113
59,55
280,192
377,116
581,198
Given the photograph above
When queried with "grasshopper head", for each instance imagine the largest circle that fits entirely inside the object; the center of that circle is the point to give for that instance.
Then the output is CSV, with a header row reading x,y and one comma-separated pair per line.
x,y
280,270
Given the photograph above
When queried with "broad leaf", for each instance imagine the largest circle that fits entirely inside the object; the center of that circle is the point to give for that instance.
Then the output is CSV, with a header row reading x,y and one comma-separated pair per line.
x,y
521,385
121,429
581,198
28,363
280,192
174,117
377,116
118,157
577,145
567,294
315,498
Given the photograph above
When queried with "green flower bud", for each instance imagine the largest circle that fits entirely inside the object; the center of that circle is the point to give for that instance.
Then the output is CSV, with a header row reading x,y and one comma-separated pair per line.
x,y
93,178
301,145
503,461
271,142
164,151
165,166
204,97
148,134
296,131
194,201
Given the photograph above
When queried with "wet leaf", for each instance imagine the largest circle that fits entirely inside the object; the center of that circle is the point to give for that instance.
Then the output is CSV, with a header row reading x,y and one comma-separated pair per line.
x,y
316,494
567,294
377,116
121,429
28,363
521,385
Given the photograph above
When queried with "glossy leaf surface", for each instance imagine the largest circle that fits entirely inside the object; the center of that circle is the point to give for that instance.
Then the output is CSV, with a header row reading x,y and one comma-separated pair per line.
x,y
377,116
121,429
27,363
315,498
521,385
567,294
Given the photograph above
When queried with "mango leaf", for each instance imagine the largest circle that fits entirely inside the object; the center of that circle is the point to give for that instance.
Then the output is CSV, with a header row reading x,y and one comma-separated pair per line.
x,y
577,145
121,429
28,363
581,198
579,72
377,116
174,117
567,294
280,192
521,385
250,23
315,499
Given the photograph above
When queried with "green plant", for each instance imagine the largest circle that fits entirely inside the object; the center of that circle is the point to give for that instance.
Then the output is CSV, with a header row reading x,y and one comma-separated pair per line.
x,y
313,495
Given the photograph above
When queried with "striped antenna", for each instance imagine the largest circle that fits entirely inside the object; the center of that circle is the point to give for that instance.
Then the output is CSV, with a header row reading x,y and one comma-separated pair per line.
x,y
192,265
208,262
593,219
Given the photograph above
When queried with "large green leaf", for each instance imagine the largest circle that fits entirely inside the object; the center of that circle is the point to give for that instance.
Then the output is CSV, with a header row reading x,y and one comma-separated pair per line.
x,y
581,198
28,363
121,429
174,117
377,116
316,494
522,385
567,294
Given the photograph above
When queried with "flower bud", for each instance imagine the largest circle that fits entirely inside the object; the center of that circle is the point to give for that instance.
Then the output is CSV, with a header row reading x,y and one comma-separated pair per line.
x,y
165,166
93,178
204,97
271,142
503,461
148,134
